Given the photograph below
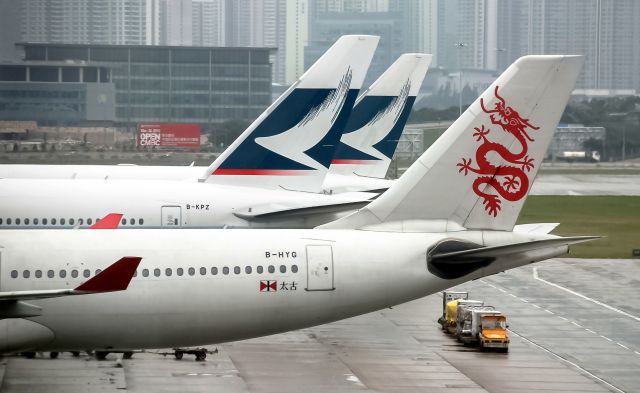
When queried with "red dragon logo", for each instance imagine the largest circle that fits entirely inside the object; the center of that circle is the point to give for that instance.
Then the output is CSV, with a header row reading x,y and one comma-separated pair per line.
x,y
514,173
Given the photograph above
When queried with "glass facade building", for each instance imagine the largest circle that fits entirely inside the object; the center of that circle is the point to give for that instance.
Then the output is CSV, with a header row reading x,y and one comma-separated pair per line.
x,y
202,85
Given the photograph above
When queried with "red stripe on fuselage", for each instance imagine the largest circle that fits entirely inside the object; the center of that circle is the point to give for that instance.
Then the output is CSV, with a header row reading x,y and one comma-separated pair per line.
x,y
352,162
260,172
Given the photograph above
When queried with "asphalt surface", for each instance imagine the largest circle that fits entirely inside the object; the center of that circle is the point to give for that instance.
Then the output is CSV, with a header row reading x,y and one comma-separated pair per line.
x,y
574,325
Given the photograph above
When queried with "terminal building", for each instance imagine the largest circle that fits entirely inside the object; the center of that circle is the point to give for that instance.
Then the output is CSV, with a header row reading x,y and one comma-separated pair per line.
x,y
71,84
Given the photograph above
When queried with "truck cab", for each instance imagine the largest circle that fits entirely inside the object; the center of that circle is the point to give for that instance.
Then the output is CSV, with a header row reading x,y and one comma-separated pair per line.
x,y
493,332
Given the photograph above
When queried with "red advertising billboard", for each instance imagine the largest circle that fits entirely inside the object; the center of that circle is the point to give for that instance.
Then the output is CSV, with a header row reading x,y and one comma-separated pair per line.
x,y
169,135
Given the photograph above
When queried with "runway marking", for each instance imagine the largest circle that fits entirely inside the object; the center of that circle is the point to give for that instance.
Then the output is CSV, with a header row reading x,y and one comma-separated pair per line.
x,y
606,338
549,311
524,300
563,318
636,352
623,346
536,306
502,290
590,331
512,295
578,325
569,362
626,314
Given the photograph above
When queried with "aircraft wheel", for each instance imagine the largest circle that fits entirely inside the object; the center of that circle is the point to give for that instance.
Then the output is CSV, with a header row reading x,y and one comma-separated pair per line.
x,y
75,354
101,355
178,355
53,355
201,356
29,355
127,355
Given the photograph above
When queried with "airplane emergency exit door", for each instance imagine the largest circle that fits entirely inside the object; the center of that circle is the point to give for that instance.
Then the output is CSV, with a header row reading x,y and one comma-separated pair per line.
x,y
319,268
171,216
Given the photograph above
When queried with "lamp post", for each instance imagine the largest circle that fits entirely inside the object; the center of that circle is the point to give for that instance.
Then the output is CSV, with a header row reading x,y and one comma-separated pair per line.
x,y
459,46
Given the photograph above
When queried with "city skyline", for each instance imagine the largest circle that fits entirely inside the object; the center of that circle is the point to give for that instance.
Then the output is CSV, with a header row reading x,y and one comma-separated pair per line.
x,y
461,34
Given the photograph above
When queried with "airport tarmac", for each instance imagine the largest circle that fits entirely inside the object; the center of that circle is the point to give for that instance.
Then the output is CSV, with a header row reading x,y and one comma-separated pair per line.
x,y
586,184
574,328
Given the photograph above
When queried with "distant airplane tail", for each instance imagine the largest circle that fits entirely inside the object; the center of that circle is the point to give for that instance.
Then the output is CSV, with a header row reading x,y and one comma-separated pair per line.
x,y
373,130
478,173
292,143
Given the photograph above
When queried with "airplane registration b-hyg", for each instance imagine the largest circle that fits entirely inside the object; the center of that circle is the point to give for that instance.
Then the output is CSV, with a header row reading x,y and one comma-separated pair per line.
x,y
447,220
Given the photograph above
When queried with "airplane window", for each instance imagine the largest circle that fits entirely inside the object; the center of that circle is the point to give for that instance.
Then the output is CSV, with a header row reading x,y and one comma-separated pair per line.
x,y
283,269
140,221
0,221
35,221
271,269
247,269
26,274
135,274
26,221
203,271
86,273
179,271
38,273
17,221
168,272
294,268
259,269
214,271
145,272
124,221
98,271
132,221
74,273
89,221
80,221
50,273
71,221
44,221
8,221
225,270
192,271
14,274
53,221
156,272
63,273
62,221
236,270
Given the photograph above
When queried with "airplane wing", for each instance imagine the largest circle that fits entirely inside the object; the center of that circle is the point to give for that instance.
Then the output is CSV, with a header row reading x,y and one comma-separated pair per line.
x,y
110,221
114,278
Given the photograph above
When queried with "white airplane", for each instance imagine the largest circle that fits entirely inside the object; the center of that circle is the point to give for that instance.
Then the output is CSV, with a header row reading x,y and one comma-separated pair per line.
x,y
447,220
359,163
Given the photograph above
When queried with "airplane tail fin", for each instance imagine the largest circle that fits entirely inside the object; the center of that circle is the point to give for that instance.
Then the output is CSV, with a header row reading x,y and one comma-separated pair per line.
x,y
291,144
373,130
478,173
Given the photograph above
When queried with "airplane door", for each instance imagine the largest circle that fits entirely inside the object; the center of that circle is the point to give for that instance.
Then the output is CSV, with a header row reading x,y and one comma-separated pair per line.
x,y
171,216
319,268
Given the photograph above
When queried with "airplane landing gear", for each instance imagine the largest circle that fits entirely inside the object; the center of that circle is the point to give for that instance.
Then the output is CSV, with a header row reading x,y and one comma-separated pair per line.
x,y
53,355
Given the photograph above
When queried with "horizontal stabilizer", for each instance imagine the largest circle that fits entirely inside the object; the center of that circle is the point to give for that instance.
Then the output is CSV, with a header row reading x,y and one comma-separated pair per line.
x,y
114,278
110,221
491,253
282,211
541,228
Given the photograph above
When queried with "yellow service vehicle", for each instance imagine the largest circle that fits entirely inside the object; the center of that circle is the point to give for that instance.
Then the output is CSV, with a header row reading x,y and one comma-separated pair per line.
x,y
448,296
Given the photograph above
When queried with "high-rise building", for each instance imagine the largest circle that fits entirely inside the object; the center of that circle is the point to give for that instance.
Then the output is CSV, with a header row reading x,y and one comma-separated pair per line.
x,y
84,21
176,23
421,26
208,18
280,24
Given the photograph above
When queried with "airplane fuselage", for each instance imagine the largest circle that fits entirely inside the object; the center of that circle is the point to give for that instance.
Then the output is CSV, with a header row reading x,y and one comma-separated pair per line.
x,y
63,203
197,287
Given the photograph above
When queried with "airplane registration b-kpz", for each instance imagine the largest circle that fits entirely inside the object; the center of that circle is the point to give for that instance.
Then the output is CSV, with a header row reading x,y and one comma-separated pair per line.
x,y
444,222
